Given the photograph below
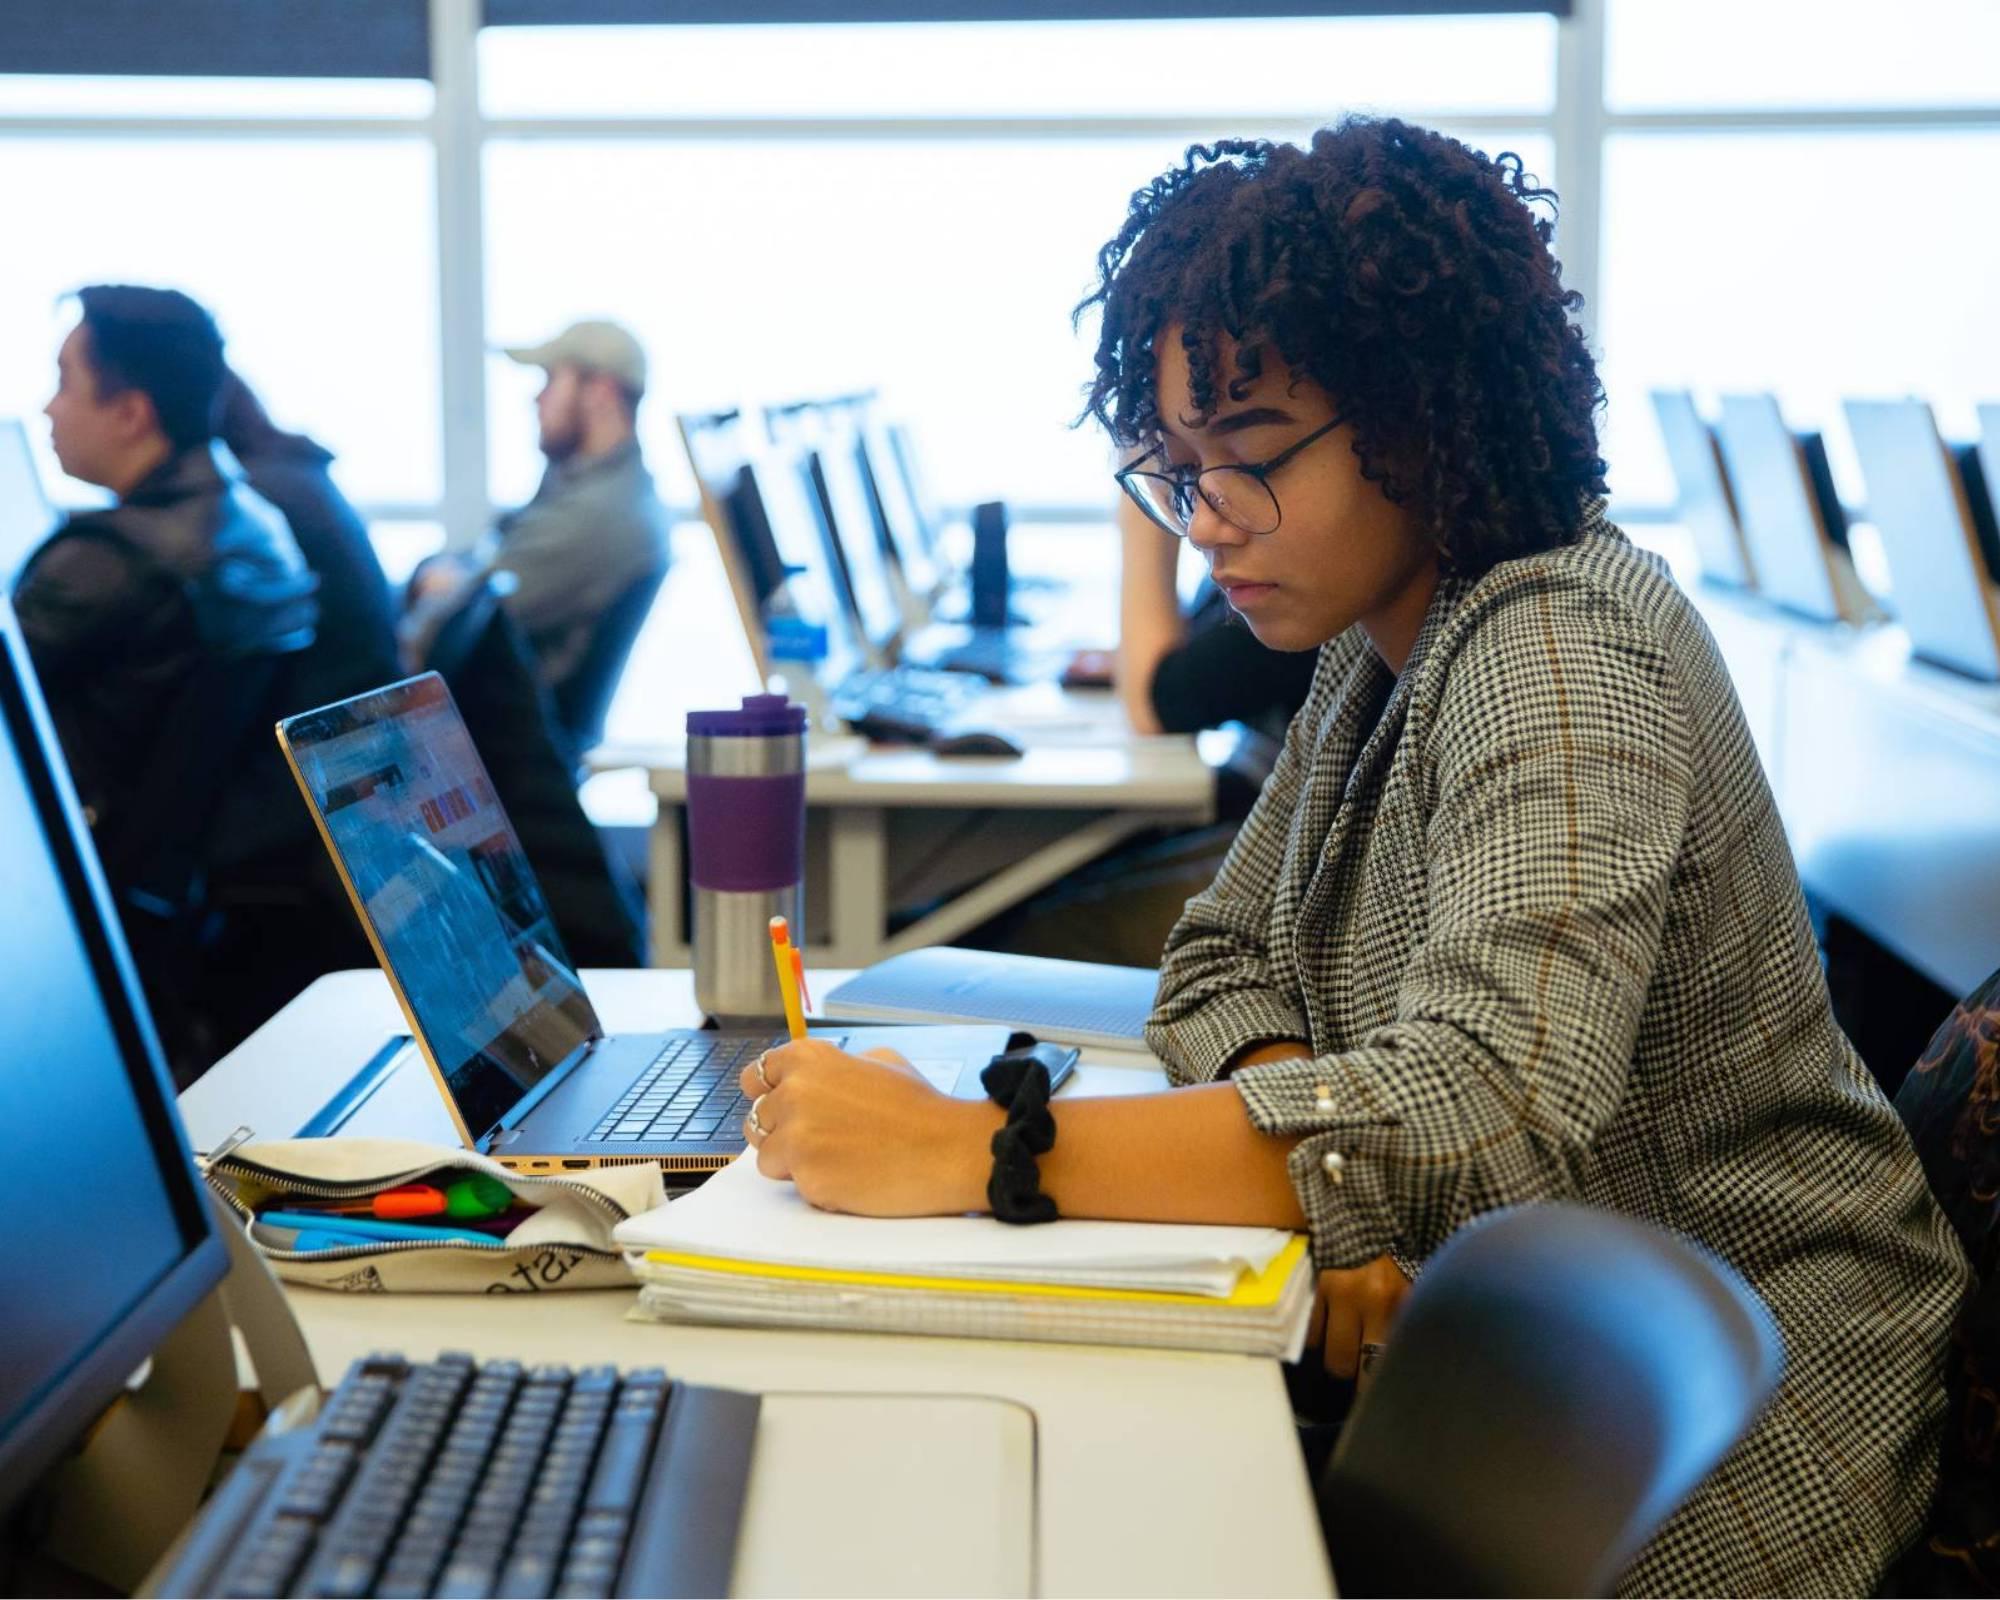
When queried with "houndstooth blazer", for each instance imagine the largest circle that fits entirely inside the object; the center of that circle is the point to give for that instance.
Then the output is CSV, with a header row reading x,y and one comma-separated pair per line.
x,y
1531,907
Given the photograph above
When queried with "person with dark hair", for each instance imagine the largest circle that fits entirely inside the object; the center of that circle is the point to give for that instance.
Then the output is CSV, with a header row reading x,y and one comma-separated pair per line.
x,y
1514,918
356,646
118,604
154,625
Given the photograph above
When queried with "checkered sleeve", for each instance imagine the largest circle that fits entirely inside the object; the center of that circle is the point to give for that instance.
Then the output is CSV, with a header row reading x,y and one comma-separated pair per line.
x,y
1217,996
1558,790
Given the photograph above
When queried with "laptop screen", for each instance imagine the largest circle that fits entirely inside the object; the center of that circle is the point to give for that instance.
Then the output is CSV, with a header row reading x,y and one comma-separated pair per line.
x,y
445,890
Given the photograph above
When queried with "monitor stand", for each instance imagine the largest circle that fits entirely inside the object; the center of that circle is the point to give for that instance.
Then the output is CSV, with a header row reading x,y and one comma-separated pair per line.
x,y
124,1499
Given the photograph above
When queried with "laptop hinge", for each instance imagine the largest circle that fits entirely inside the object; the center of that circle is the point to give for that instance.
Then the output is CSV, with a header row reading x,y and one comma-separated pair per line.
x,y
495,1137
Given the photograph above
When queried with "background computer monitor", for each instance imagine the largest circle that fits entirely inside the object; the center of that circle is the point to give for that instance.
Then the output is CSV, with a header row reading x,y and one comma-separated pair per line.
x,y
25,514
1979,464
1706,505
1779,490
97,1284
1945,598
896,515
796,528
903,448
841,500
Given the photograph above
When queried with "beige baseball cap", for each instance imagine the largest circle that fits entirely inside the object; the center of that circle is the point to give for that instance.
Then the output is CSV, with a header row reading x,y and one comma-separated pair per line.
x,y
595,346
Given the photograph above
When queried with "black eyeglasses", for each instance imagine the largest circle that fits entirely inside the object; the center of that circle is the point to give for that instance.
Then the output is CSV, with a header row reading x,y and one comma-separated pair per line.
x,y
1240,495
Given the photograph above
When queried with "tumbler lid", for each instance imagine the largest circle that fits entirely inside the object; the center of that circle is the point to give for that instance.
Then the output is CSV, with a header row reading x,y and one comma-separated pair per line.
x,y
761,716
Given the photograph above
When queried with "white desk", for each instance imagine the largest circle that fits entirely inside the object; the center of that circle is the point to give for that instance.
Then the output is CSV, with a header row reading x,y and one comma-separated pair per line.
x,y
890,826
1159,1472
1886,771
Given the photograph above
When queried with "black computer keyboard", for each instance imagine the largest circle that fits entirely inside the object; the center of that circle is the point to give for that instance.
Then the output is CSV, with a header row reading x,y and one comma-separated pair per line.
x,y
905,704
688,1092
450,1478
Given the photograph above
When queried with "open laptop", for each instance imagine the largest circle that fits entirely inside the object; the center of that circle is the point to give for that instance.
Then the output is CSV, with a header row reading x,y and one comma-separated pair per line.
x,y
457,919
1706,504
1927,514
1793,524
521,1476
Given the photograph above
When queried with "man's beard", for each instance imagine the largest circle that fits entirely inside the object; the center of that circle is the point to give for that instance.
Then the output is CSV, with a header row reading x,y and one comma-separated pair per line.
x,y
559,444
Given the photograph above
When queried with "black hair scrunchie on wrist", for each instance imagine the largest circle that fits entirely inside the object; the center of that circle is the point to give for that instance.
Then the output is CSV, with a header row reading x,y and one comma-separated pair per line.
x,y
1014,1192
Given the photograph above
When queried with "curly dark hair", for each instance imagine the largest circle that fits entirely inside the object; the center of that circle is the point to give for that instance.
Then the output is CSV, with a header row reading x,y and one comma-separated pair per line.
x,y
1404,273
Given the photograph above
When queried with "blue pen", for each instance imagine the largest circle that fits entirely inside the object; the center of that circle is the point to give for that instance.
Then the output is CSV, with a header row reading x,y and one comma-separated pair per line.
x,y
330,1231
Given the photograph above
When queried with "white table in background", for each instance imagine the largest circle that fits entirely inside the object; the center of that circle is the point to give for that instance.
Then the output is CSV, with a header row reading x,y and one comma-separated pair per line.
x,y
893,826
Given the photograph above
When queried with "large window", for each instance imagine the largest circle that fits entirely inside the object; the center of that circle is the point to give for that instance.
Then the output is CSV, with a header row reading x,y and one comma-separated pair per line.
x,y
783,212
1817,264
1756,193
1765,55
315,255
1248,70
1796,197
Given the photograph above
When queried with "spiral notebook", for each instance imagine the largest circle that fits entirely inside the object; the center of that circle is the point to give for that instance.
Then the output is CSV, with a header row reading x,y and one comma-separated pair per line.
x,y
1070,1002
746,1250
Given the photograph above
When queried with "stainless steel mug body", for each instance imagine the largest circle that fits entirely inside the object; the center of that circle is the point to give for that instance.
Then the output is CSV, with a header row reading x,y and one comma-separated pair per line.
x,y
746,851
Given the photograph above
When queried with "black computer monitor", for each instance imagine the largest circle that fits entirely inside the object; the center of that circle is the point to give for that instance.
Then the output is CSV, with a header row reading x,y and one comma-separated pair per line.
x,y
750,527
123,1250
804,547
896,518
841,501
904,449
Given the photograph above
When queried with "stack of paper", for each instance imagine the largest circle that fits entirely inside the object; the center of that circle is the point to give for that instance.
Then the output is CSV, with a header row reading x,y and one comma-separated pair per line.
x,y
743,1249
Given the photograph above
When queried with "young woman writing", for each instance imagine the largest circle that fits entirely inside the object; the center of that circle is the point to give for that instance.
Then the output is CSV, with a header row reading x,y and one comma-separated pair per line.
x,y
1514,918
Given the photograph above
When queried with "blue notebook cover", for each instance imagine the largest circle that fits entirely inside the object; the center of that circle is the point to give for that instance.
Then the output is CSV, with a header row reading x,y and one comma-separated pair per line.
x,y
1070,1002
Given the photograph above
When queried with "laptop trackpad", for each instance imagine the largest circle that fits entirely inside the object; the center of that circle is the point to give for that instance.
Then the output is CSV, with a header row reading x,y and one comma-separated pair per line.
x,y
861,1494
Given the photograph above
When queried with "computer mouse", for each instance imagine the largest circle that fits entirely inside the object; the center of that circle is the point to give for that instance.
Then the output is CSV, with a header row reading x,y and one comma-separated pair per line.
x,y
975,742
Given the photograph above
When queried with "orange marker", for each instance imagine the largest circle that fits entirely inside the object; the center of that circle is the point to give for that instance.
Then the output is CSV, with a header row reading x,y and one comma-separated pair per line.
x,y
788,983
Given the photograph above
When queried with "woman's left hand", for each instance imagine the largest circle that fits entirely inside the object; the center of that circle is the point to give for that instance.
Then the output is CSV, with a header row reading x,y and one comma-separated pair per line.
x,y
1354,1311
867,1134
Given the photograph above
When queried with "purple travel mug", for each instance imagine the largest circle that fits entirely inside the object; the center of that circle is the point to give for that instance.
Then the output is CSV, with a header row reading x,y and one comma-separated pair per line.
x,y
746,807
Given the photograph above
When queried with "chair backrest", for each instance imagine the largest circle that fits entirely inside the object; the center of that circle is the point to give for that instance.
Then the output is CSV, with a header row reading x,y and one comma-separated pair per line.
x,y
1950,1102
1559,1380
489,666
583,699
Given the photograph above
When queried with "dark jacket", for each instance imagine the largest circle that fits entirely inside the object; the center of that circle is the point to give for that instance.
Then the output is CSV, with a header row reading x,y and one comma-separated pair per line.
x,y
356,646
1222,673
122,607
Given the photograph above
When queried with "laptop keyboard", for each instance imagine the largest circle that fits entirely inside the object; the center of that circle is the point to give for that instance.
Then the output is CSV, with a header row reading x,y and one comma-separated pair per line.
x,y
450,1478
689,1093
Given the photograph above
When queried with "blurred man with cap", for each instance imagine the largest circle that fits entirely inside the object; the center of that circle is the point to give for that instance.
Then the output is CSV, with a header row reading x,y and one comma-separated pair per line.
x,y
596,529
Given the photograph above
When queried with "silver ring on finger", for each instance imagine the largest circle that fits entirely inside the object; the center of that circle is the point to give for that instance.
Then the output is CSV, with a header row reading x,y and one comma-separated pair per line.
x,y
757,1067
755,1123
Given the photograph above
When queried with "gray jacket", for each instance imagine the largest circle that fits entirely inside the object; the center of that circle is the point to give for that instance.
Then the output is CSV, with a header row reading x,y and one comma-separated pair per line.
x,y
1532,908
593,530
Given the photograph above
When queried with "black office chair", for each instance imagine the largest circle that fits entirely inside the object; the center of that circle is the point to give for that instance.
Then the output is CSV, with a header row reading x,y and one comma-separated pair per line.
x,y
1950,1102
155,857
583,699
481,655
1559,1381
